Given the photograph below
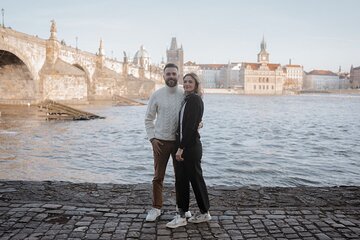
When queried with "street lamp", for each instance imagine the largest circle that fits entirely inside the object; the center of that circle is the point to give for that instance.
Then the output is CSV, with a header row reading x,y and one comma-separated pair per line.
x,y
2,13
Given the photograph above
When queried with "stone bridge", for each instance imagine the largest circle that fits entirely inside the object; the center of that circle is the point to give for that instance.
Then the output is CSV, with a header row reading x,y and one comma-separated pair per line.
x,y
34,69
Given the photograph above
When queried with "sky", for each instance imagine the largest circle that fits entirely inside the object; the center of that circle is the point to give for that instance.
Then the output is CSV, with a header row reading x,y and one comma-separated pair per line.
x,y
318,34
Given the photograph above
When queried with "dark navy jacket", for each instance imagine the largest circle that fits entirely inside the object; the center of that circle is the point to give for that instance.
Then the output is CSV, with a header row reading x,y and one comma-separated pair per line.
x,y
192,116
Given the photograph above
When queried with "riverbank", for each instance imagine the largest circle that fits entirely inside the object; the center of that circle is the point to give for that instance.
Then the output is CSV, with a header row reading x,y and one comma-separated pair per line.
x,y
64,210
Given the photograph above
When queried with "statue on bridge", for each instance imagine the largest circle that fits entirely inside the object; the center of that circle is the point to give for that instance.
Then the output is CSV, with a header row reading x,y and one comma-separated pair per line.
x,y
53,29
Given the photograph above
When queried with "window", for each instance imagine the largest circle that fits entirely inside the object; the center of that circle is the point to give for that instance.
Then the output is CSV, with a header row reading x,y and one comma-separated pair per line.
x,y
254,87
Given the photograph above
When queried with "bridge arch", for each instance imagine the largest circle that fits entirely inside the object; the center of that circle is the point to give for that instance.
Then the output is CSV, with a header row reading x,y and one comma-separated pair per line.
x,y
87,74
16,80
23,58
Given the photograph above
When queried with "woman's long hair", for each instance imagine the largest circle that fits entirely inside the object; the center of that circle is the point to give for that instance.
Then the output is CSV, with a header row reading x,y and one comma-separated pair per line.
x,y
198,88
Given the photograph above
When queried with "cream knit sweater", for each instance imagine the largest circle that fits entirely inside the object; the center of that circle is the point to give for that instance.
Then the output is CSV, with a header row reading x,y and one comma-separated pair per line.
x,y
163,107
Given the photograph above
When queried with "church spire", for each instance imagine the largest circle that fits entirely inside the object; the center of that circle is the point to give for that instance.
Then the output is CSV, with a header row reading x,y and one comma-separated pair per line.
x,y
263,44
263,55
173,45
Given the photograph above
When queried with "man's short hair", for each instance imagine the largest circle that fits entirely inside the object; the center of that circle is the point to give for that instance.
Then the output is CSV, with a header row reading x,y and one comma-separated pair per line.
x,y
171,65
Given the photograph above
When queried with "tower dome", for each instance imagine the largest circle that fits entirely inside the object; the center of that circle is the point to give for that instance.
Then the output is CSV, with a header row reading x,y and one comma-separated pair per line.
x,y
142,58
141,53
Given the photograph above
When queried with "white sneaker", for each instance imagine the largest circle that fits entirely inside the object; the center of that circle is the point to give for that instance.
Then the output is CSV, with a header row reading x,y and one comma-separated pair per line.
x,y
188,214
153,214
199,218
178,221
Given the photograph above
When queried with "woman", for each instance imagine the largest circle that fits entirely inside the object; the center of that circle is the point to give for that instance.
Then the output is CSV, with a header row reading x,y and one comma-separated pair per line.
x,y
188,165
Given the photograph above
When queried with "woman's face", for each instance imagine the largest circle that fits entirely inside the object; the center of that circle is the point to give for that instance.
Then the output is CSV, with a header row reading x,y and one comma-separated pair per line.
x,y
189,84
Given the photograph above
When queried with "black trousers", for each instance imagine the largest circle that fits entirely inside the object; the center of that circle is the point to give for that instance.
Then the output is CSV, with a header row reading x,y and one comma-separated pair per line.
x,y
189,171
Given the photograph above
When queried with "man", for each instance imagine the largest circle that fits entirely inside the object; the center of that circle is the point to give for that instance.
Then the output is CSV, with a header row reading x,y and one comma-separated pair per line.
x,y
164,106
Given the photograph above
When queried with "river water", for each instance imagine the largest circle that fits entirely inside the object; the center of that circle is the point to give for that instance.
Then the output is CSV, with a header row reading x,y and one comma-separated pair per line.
x,y
248,140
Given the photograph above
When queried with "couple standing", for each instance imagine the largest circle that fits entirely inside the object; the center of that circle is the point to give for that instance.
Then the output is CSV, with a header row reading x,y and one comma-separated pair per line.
x,y
177,115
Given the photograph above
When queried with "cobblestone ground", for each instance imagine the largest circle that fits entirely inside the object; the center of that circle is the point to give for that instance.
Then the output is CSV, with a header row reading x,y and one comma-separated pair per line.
x,y
63,210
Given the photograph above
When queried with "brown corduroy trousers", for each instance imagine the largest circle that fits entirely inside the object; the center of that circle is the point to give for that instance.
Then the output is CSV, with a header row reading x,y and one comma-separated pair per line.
x,y
160,162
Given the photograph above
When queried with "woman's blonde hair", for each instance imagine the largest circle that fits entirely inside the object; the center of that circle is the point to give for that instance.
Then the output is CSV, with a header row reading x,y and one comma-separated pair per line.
x,y
198,88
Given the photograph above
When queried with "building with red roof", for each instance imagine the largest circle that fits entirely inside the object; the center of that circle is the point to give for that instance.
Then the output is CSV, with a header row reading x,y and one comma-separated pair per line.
x,y
262,77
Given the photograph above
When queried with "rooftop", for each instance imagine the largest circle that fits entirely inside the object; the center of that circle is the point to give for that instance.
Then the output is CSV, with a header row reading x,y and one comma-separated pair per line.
x,y
322,73
256,66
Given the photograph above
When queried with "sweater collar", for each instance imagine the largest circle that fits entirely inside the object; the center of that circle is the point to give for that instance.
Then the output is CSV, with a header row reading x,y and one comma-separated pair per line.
x,y
171,89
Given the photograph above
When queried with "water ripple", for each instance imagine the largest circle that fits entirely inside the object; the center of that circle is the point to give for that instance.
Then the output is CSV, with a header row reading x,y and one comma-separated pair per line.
x,y
248,140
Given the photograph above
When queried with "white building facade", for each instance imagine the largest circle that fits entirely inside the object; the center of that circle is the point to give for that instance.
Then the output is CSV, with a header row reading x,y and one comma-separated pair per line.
x,y
321,80
209,74
190,66
230,76
294,77
262,77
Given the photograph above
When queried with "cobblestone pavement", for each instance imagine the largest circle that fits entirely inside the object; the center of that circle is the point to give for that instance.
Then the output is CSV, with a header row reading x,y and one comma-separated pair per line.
x,y
63,210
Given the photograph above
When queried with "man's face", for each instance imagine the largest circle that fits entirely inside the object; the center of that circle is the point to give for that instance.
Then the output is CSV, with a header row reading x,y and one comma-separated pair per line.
x,y
171,76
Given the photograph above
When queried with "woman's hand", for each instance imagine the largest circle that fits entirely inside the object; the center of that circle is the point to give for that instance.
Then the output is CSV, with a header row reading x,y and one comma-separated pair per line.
x,y
179,155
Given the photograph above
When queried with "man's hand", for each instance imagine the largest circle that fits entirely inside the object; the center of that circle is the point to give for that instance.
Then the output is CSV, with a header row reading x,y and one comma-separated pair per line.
x,y
156,146
200,125
179,155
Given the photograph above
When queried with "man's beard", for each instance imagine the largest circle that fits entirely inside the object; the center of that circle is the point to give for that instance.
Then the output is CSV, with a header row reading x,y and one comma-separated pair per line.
x,y
171,82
